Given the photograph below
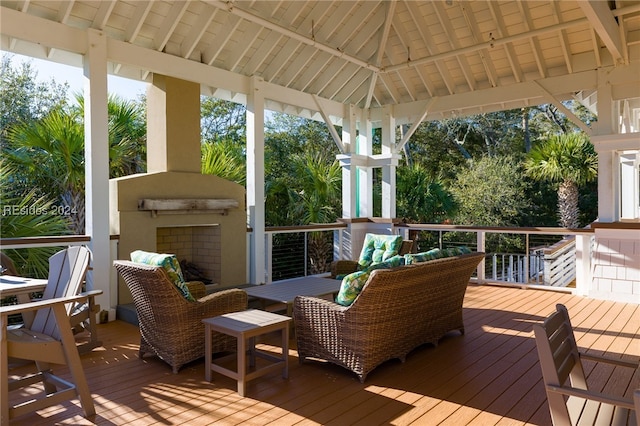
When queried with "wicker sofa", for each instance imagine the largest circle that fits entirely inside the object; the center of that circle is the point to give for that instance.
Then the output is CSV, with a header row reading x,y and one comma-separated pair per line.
x,y
397,310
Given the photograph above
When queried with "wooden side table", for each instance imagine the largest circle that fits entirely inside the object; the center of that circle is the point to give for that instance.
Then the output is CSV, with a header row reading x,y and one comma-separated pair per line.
x,y
245,326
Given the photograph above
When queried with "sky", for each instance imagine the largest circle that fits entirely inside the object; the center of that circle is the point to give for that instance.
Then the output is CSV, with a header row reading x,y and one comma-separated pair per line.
x,y
124,87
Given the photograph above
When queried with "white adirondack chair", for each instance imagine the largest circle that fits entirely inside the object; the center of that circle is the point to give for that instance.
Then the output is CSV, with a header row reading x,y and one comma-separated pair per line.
x,y
49,339
571,402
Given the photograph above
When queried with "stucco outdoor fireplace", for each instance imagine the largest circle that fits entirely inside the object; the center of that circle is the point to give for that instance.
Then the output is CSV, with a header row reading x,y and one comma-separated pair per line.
x,y
174,208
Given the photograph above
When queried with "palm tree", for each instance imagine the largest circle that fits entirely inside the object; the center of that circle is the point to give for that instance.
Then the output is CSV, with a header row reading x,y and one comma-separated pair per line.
x,y
422,199
224,159
570,161
28,215
50,155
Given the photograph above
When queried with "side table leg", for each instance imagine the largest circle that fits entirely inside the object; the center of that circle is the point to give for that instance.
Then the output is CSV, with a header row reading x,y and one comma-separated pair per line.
x,y
242,364
285,350
207,352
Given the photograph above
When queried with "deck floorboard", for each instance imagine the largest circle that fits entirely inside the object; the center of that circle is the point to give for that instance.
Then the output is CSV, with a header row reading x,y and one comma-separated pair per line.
x,y
488,376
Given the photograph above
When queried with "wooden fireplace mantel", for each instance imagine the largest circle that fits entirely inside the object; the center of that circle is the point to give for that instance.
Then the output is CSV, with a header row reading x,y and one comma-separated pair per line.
x,y
187,205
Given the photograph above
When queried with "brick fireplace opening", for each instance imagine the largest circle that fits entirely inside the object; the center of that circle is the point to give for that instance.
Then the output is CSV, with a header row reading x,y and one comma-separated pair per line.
x,y
199,245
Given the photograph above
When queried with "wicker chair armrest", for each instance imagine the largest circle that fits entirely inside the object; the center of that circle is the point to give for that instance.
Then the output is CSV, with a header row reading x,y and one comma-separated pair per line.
x,y
197,289
343,267
312,312
232,300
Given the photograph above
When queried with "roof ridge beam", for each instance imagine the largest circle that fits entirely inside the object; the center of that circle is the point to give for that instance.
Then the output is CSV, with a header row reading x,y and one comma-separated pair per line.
x,y
234,10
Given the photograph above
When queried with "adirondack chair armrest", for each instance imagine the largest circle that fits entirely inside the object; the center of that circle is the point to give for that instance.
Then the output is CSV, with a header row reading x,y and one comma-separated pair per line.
x,y
593,396
609,360
39,304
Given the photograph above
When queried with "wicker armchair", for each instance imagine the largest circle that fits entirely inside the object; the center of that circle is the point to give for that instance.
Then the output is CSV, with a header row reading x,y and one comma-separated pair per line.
x,y
345,266
397,310
171,326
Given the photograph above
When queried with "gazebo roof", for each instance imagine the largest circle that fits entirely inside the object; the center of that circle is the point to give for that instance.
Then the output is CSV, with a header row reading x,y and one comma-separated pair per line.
x,y
442,57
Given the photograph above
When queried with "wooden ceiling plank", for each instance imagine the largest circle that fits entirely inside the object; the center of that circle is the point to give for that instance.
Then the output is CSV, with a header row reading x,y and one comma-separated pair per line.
x,y
312,72
242,46
281,59
422,27
562,37
508,47
535,45
385,80
235,10
384,33
485,57
332,71
602,19
262,52
102,15
445,22
207,13
64,11
358,80
136,21
297,66
221,39
337,84
169,24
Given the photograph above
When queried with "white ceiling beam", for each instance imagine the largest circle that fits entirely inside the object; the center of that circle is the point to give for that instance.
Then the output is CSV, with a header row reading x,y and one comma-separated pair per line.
x,y
281,59
508,47
601,18
330,126
136,20
384,33
222,37
430,103
562,37
42,31
372,85
445,22
566,111
241,47
103,14
297,66
169,24
485,45
207,13
485,57
233,9
533,41
262,52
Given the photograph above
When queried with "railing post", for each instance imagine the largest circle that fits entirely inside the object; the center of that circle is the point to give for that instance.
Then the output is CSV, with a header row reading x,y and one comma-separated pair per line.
x,y
268,254
480,242
526,259
306,253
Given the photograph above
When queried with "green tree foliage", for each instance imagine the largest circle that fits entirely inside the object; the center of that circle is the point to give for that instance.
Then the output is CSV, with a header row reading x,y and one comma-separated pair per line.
x,y
28,215
490,192
222,121
22,98
49,154
224,159
568,161
127,134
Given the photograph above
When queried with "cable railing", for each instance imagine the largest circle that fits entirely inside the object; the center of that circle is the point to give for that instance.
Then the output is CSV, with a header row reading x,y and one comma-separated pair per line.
x,y
544,257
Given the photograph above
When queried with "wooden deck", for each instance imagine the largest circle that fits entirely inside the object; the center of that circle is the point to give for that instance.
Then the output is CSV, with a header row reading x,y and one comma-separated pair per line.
x,y
489,376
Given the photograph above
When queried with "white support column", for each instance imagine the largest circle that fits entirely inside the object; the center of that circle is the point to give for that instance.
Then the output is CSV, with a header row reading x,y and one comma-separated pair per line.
x,y
97,169
255,179
349,171
364,147
389,170
629,197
